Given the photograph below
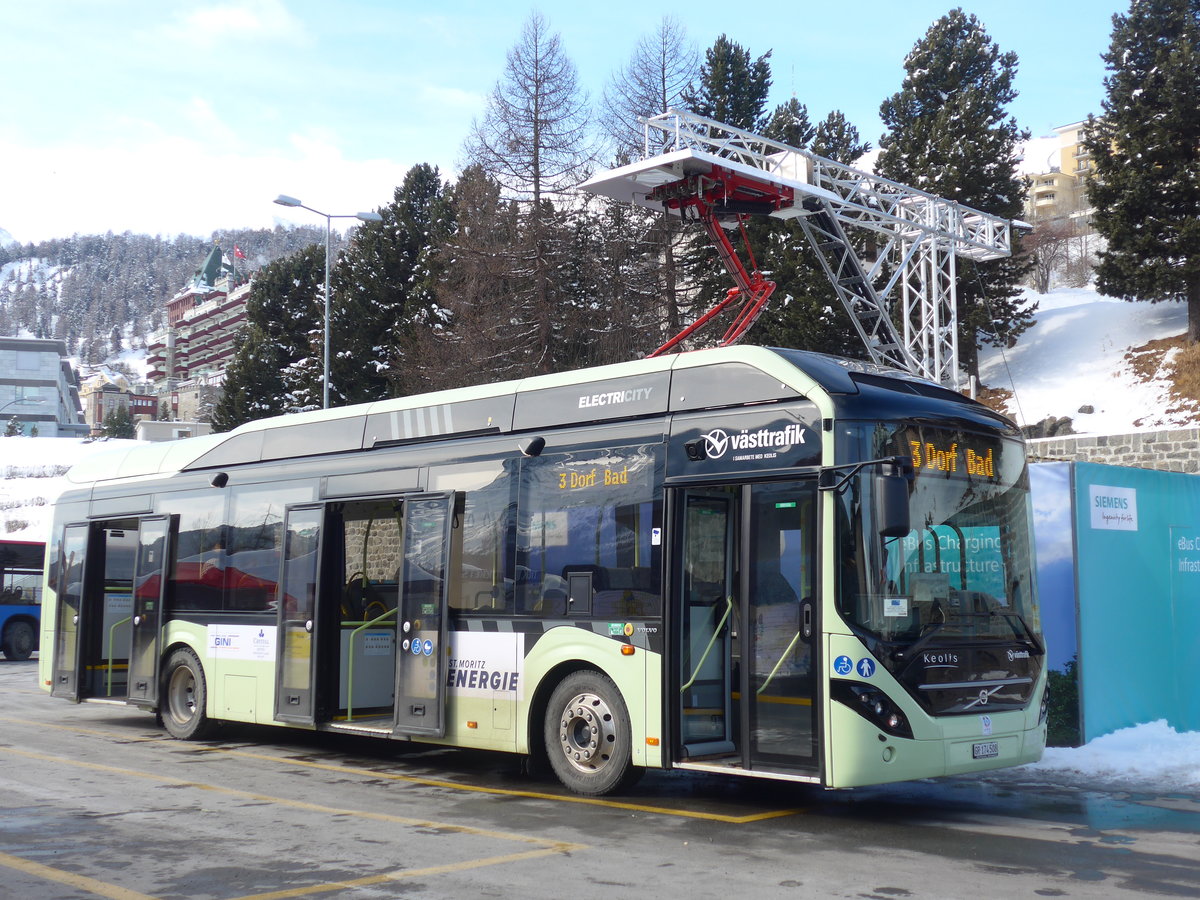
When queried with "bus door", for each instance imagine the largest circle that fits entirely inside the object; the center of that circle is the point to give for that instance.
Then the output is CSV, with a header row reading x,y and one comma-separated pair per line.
x,y
707,601
94,610
779,587
296,608
421,654
149,589
745,589
72,571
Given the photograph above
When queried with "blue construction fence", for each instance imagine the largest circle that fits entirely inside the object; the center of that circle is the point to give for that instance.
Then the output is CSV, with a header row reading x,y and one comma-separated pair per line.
x,y
1118,560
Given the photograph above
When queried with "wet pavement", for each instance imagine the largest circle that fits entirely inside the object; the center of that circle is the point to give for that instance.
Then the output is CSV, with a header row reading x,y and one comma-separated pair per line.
x,y
95,800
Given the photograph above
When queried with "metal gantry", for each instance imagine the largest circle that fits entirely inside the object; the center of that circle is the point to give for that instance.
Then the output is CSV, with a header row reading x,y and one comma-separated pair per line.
x,y
724,174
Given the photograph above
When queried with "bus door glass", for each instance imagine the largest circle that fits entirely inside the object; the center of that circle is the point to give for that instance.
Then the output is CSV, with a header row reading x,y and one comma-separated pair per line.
x,y
421,655
67,621
779,587
296,607
708,619
149,585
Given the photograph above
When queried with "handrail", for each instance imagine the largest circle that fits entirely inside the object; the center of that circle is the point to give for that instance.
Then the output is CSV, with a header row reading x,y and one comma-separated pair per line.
x,y
712,640
111,632
786,651
350,659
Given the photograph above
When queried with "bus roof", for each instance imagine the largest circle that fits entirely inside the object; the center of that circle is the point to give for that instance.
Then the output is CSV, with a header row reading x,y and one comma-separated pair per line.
x,y
702,379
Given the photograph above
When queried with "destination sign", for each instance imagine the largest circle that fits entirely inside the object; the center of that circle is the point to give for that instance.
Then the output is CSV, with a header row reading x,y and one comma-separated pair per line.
x,y
952,454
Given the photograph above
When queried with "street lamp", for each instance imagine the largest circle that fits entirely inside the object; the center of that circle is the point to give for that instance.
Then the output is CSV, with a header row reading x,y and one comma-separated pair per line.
x,y
18,402
285,200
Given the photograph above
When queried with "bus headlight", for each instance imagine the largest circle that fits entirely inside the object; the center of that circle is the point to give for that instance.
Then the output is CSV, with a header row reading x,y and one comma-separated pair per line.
x,y
1045,708
873,705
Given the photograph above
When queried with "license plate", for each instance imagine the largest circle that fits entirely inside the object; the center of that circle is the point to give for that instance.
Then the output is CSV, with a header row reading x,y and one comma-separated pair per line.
x,y
985,750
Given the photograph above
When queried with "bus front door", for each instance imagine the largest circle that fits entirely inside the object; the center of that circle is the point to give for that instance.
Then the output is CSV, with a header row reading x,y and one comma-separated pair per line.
x,y
421,654
72,571
708,619
745,587
778,584
149,587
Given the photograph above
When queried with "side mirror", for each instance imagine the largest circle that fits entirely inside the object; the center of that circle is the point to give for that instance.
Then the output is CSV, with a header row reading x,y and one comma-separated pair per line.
x,y
891,502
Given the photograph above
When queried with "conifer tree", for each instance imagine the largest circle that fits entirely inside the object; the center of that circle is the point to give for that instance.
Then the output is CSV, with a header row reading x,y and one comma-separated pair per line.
x,y
732,88
948,133
534,140
118,423
380,281
653,81
1146,150
804,312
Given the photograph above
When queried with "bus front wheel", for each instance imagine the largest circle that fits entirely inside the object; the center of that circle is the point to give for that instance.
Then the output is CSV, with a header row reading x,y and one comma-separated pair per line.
x,y
588,735
19,640
185,695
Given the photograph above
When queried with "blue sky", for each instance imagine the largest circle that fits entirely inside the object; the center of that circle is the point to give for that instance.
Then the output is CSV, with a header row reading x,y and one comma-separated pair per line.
x,y
168,117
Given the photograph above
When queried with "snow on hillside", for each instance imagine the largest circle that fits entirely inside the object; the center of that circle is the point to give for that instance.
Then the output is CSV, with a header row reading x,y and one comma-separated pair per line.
x,y
1074,357
32,475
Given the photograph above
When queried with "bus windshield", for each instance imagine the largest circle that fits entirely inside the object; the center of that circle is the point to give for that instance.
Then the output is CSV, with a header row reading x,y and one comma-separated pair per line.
x,y
964,572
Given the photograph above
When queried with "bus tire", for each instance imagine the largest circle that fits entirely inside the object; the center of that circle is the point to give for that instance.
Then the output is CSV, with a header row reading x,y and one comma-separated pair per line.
x,y
588,735
184,697
20,640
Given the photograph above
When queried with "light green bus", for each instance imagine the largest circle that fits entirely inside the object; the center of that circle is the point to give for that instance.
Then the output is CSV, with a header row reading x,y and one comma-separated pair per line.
x,y
760,562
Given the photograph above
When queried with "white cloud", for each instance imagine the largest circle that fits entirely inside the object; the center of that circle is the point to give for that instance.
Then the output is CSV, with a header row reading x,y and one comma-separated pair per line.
x,y
172,185
247,20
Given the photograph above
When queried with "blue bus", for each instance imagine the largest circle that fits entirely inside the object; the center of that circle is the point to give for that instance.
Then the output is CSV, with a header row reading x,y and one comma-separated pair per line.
x,y
21,564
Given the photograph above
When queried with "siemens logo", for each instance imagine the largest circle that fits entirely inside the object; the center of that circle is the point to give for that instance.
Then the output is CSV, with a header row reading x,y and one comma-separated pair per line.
x,y
1112,502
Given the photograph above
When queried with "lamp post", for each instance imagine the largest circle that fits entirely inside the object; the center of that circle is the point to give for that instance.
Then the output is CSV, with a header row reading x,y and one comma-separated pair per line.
x,y
284,200
19,401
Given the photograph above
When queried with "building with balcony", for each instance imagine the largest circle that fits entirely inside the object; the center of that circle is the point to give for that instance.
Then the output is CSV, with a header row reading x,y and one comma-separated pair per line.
x,y
39,388
1058,186
203,320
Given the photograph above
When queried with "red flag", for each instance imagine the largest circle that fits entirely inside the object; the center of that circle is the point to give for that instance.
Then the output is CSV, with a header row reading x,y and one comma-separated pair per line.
x,y
237,252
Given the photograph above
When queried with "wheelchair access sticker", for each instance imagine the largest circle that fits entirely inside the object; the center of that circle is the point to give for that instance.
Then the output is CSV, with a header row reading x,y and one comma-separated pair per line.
x,y
843,665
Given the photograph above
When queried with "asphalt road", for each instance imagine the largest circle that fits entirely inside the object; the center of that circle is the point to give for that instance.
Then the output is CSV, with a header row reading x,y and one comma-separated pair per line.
x,y
96,801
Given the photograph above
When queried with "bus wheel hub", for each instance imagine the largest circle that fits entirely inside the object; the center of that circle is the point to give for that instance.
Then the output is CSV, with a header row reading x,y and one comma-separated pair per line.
x,y
586,732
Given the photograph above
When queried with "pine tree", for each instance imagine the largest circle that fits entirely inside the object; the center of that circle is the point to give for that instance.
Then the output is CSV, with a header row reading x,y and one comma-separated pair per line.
x,y
1146,150
118,423
948,134
534,141
381,283
804,312
732,88
660,69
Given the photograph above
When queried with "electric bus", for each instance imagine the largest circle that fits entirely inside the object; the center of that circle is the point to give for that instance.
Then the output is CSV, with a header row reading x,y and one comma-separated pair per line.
x,y
760,562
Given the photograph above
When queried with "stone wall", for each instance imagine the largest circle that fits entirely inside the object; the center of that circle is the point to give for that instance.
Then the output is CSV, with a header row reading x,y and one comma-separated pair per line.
x,y
1174,450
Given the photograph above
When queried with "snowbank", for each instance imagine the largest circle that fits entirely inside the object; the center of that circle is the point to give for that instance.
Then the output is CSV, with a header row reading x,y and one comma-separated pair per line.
x,y
1074,356
32,475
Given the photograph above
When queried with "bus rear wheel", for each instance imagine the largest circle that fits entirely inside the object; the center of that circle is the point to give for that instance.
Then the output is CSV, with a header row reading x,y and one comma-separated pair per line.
x,y
19,640
185,695
588,735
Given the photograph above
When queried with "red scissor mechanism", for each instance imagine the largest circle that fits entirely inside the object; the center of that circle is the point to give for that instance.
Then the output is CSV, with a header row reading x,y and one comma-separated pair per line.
x,y
717,197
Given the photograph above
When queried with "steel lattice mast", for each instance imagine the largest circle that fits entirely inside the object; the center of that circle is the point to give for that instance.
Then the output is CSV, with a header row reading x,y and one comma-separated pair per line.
x,y
723,174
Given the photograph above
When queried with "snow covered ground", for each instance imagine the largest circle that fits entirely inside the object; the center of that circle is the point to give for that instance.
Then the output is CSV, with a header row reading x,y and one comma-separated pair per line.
x,y
32,475
1074,356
